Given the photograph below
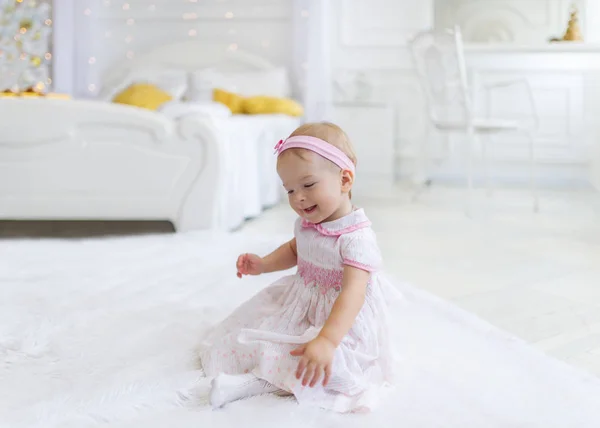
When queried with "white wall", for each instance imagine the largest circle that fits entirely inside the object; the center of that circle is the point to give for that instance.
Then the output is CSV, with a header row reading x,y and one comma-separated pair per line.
x,y
372,68
516,21
109,32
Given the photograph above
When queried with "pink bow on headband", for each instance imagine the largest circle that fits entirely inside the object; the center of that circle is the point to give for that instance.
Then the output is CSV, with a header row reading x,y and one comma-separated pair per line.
x,y
320,147
278,147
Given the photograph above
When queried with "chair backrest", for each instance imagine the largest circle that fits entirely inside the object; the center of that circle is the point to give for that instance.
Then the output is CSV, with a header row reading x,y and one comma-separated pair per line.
x,y
440,65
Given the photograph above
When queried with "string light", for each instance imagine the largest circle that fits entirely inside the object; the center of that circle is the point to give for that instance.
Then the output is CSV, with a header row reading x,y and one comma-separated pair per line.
x,y
232,31
106,3
126,6
48,56
192,33
190,15
130,21
304,14
48,22
233,47
130,54
92,60
49,80
229,15
128,39
87,12
91,87
23,30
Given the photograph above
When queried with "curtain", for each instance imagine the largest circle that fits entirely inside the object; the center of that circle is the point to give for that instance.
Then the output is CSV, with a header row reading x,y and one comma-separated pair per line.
x,y
63,46
312,59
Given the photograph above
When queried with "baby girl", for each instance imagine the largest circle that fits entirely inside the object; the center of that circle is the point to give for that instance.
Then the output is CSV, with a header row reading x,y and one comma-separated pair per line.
x,y
321,334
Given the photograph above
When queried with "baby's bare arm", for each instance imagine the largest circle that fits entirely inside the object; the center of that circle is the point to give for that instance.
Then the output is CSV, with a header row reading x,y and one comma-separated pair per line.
x,y
283,258
347,306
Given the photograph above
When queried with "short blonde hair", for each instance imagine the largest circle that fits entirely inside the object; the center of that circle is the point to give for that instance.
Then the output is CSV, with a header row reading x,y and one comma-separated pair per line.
x,y
329,132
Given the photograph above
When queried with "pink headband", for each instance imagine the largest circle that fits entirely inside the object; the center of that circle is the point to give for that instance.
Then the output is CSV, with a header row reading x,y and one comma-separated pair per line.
x,y
320,147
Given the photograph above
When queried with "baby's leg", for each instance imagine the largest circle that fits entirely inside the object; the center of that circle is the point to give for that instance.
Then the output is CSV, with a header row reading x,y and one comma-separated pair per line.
x,y
228,388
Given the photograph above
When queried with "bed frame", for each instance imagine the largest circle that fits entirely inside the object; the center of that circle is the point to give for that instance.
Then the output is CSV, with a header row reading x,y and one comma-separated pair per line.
x,y
91,160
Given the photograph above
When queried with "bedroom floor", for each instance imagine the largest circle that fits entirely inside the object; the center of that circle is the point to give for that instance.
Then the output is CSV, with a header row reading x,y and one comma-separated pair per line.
x,y
535,275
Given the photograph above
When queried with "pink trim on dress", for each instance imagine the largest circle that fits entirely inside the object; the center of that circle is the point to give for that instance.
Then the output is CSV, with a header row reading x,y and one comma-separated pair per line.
x,y
326,232
325,279
359,265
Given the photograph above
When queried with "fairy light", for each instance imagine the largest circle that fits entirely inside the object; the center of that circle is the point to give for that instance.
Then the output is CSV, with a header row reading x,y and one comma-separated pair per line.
x,y
128,39
92,60
126,6
190,15
87,12
130,21
232,31
48,22
48,56
192,33
130,54
229,15
233,47
91,87
304,13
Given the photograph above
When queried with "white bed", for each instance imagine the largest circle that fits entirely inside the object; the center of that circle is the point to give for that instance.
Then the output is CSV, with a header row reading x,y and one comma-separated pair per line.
x,y
103,333
102,161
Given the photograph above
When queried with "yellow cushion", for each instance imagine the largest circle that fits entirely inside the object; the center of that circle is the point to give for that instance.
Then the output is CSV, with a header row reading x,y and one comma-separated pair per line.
x,y
234,102
143,95
272,105
52,95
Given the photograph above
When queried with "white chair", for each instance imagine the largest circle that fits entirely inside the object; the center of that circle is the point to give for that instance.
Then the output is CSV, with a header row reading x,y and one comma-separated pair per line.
x,y
440,63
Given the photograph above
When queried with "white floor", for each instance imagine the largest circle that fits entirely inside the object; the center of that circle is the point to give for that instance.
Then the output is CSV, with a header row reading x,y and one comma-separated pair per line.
x,y
534,275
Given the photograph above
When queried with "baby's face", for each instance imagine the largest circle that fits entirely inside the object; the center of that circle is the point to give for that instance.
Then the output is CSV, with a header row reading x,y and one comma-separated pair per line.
x,y
313,184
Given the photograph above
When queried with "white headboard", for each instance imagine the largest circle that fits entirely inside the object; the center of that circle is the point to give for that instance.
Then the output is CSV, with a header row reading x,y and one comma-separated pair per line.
x,y
188,55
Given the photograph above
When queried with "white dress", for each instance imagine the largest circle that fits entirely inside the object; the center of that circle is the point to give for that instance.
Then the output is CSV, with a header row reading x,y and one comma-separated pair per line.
x,y
259,335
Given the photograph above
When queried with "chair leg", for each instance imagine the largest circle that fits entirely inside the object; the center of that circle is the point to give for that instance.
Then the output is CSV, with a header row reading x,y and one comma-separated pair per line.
x,y
532,173
420,175
470,146
486,164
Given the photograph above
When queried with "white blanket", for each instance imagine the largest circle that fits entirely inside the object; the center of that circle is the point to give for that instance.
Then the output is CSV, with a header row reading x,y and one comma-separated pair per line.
x,y
104,333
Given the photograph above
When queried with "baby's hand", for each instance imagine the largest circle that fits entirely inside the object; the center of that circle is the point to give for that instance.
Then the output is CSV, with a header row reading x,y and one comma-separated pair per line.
x,y
316,361
249,264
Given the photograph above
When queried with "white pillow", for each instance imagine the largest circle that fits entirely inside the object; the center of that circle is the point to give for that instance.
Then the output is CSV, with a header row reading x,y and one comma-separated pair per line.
x,y
177,109
170,80
273,82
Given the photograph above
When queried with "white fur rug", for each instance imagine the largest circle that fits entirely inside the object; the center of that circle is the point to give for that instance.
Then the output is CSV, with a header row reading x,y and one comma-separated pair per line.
x,y
102,333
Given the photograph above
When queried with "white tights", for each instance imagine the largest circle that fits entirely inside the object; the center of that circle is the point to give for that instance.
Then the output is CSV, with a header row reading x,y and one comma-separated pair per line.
x,y
228,388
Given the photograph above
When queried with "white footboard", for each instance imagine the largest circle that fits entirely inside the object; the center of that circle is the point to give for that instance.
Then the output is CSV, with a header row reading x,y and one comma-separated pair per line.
x,y
89,160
